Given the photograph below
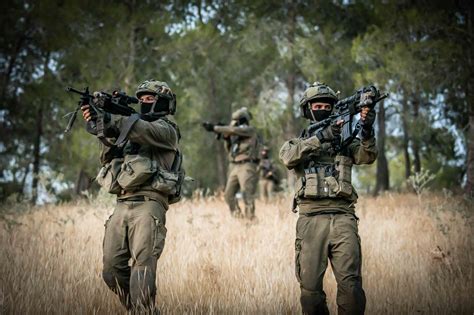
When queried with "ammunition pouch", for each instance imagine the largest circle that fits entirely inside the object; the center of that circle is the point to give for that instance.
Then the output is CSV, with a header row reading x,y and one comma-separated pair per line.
x,y
326,181
344,168
170,182
136,170
165,182
108,175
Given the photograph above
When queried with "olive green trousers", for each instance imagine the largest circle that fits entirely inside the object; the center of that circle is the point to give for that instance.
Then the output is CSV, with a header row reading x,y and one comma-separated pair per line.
x,y
133,241
266,187
320,237
242,177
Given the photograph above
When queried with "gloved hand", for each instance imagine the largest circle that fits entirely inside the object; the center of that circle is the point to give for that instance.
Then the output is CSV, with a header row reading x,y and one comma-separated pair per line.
x,y
329,133
367,118
208,126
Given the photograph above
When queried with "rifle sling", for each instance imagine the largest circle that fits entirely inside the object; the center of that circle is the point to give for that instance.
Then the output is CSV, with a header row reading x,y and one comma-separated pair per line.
x,y
124,132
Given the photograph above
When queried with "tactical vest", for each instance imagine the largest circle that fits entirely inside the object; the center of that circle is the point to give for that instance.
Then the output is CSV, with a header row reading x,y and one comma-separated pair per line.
x,y
132,169
244,148
325,177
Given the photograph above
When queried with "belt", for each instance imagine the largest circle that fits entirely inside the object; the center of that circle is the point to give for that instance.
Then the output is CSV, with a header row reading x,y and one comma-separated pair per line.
x,y
134,198
245,161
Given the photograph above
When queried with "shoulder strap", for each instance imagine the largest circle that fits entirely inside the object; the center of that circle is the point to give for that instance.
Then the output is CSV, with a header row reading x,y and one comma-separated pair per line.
x,y
124,132
126,128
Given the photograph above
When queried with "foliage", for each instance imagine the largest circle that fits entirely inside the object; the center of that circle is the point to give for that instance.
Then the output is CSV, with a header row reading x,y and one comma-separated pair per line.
x,y
220,56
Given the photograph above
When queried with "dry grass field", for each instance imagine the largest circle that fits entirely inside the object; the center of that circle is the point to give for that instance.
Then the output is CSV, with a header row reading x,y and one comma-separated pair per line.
x,y
418,259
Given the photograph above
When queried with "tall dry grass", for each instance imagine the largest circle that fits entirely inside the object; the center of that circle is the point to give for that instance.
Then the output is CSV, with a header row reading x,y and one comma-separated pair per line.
x,y
418,259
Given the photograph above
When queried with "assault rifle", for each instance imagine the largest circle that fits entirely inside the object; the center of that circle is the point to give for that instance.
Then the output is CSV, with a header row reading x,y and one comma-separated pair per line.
x,y
345,110
115,103
208,127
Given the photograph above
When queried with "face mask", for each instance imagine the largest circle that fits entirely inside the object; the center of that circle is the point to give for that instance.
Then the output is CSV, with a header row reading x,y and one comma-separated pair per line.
x,y
145,107
321,114
162,105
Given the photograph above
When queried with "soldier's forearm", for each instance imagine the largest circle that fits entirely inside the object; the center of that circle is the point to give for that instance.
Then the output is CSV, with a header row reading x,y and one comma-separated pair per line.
x,y
366,152
230,130
158,134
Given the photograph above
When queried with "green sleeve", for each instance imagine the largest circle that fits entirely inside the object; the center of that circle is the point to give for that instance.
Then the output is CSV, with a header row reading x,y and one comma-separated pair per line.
x,y
294,151
244,131
158,133
363,151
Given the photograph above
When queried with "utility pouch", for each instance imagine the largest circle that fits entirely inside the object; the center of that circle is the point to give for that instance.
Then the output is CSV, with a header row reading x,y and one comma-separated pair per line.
x,y
170,182
311,189
165,182
136,170
108,175
323,185
299,187
332,185
344,168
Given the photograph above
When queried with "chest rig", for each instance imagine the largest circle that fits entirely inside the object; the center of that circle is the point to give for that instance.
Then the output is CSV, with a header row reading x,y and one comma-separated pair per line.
x,y
325,175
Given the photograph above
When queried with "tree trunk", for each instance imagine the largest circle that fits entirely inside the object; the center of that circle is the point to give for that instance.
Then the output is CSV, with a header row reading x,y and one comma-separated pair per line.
x,y
469,189
21,191
290,82
406,137
415,138
382,183
36,154
290,79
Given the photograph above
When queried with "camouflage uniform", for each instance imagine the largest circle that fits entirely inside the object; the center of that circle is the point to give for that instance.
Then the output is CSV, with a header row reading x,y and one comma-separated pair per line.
x,y
327,224
241,143
268,176
266,183
135,233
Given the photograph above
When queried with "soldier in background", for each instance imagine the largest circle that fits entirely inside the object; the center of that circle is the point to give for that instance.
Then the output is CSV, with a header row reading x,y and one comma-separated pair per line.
x,y
269,178
241,143
327,225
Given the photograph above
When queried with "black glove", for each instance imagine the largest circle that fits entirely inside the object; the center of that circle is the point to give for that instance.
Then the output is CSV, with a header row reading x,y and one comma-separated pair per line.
x,y
329,133
367,125
208,126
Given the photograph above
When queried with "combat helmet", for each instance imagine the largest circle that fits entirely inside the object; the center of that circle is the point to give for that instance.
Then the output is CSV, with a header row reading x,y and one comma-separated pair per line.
x,y
242,114
319,91
161,90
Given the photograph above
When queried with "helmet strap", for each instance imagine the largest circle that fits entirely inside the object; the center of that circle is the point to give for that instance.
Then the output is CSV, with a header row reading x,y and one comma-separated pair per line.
x,y
311,112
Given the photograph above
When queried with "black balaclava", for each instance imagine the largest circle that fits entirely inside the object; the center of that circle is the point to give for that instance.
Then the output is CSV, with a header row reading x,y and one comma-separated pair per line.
x,y
321,114
160,105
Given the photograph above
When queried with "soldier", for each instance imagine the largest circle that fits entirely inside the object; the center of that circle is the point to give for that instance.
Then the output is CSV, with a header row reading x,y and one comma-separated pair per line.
x,y
241,142
268,175
327,224
134,171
